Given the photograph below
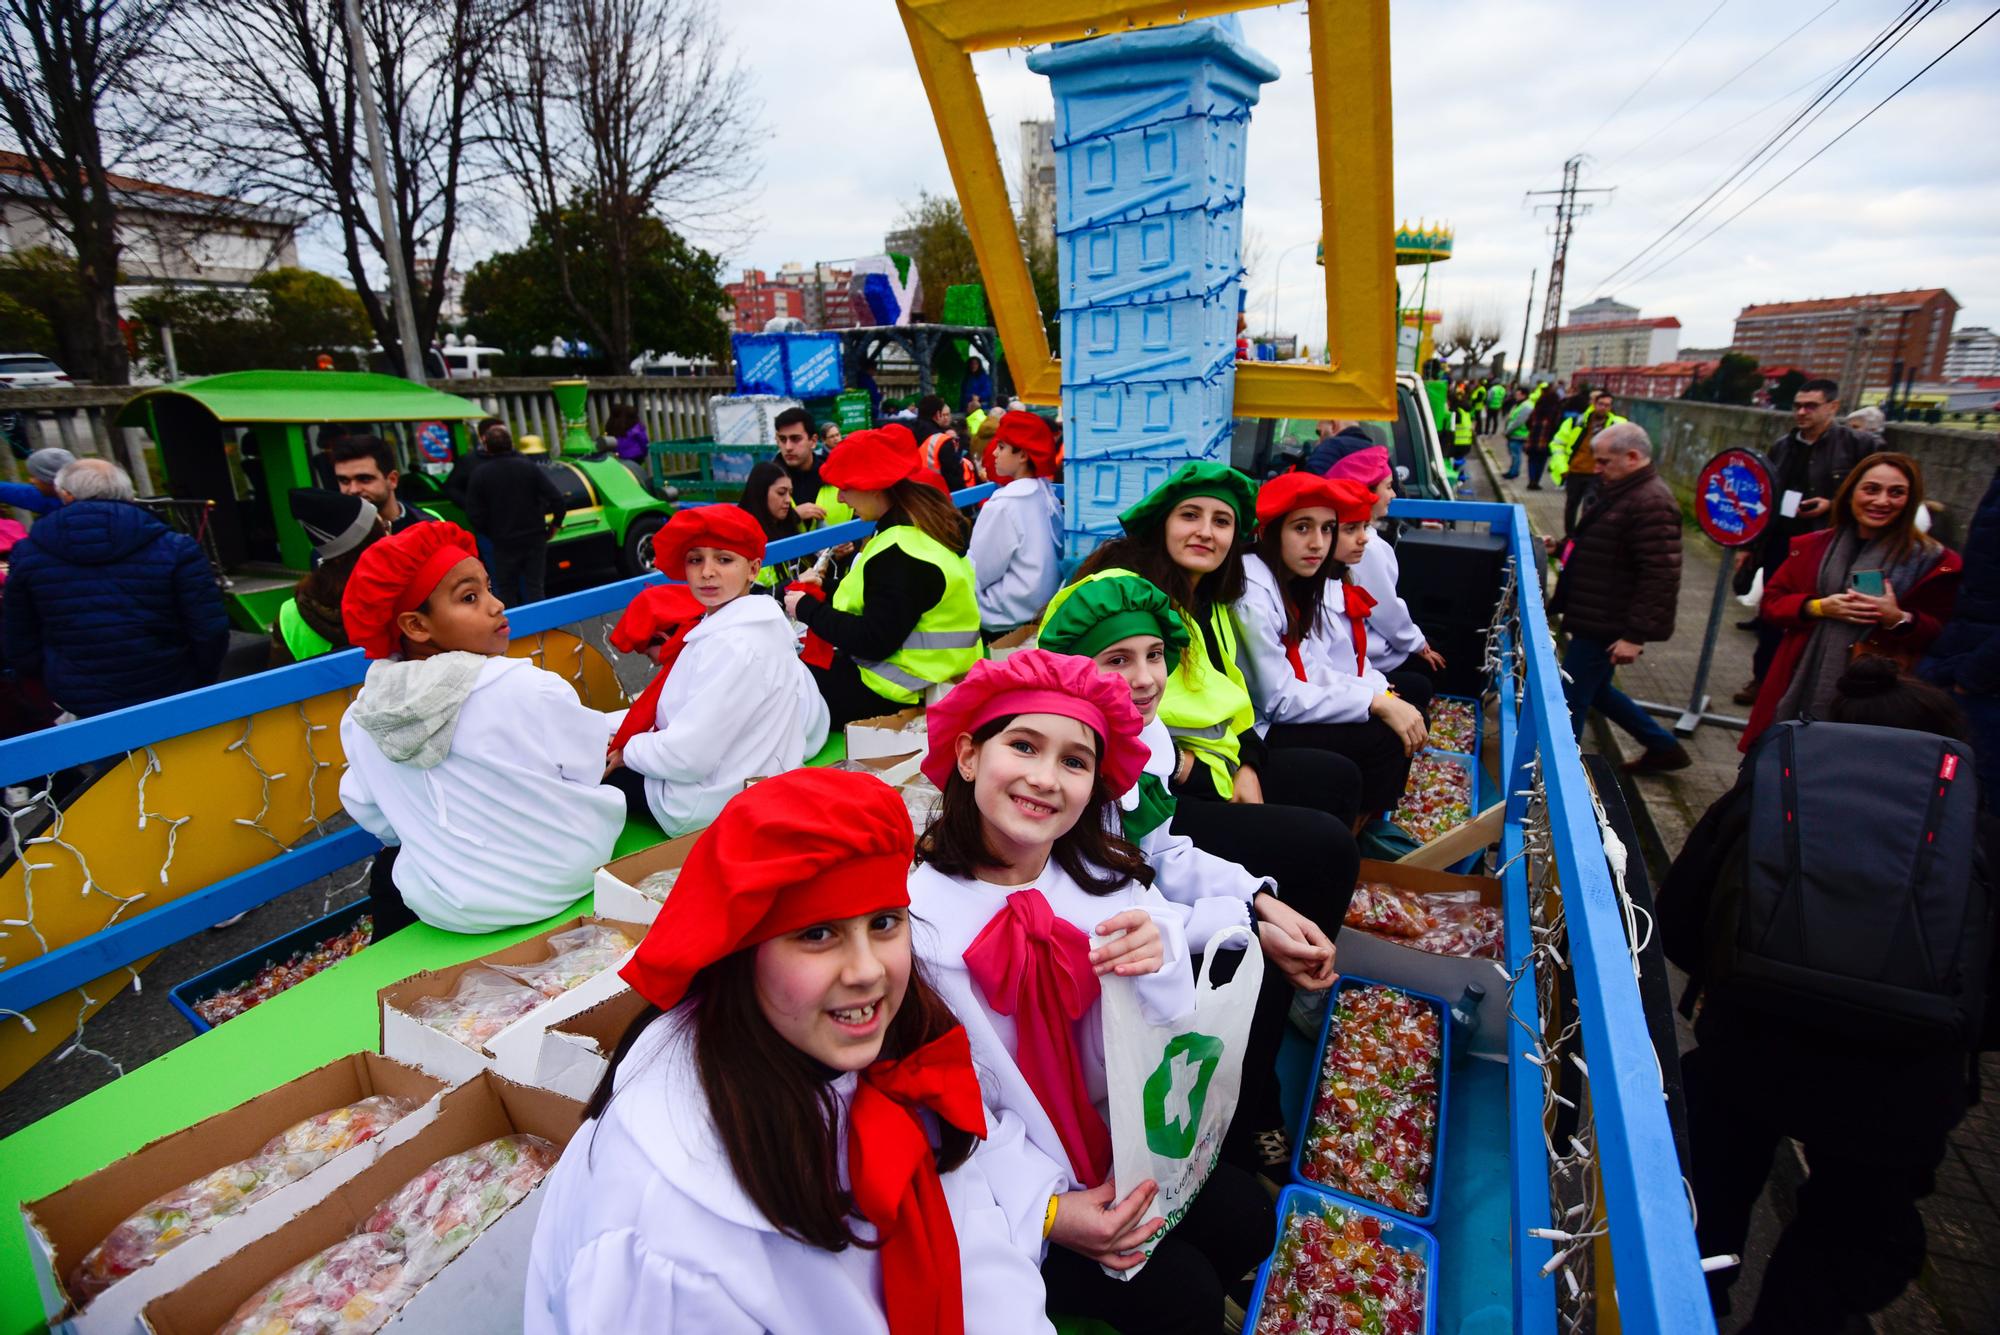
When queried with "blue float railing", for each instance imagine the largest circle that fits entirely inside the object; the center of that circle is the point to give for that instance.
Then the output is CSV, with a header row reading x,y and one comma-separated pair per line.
x,y
1660,1289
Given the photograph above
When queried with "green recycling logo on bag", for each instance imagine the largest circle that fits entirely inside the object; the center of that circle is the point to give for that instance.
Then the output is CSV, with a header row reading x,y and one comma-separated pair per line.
x,y
1176,1091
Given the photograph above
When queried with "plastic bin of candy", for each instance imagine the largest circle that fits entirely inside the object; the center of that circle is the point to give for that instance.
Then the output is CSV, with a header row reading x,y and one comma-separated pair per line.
x,y
300,941
1457,725
1388,1295
1303,1141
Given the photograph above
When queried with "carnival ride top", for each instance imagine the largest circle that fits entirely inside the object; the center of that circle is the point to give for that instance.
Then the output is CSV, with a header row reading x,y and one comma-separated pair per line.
x,y
239,443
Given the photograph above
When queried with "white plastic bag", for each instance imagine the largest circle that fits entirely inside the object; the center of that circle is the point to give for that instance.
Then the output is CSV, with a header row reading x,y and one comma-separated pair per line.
x,y
1173,1088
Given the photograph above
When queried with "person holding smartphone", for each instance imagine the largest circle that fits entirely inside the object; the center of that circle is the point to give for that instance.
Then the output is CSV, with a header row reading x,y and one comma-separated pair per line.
x,y
1868,583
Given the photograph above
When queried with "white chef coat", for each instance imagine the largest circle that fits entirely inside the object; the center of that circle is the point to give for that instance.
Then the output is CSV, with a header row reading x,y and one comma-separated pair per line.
x,y
1016,553
738,705
1392,634
507,828
645,1228
1332,692
1214,892
947,913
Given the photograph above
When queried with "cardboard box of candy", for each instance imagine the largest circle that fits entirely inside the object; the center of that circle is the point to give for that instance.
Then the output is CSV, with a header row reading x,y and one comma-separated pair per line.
x,y
635,887
570,1056
1435,931
899,734
458,1022
433,1236
106,1244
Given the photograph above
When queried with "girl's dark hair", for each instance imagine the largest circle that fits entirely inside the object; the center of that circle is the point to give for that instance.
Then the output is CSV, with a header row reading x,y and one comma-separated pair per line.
x,y
1875,690
927,508
756,499
1095,858
773,1106
623,418
1903,534
1145,553
1305,596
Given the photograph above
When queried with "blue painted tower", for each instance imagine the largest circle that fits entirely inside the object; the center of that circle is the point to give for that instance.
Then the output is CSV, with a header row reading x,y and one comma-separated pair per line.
x,y
1150,134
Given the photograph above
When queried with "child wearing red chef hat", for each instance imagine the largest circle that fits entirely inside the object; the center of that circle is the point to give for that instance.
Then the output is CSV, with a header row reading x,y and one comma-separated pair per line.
x,y
1395,641
906,617
736,703
481,774
790,1137
1025,900
1016,549
1305,637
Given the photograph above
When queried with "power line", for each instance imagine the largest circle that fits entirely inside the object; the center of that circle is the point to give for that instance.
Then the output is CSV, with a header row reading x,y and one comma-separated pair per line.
x,y
1772,188
1904,24
1818,79
1640,86
1568,209
1697,106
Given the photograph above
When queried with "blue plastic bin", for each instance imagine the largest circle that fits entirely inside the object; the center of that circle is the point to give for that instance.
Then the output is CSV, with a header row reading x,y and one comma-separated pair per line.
x,y
1444,1105
1479,730
1297,1200
250,962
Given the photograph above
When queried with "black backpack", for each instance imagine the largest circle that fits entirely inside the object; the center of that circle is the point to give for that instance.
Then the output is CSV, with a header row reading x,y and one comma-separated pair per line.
x,y
1860,902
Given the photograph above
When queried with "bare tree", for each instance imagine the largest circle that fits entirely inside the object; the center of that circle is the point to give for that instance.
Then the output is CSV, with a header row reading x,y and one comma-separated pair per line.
x,y
68,74
1468,334
267,107
616,112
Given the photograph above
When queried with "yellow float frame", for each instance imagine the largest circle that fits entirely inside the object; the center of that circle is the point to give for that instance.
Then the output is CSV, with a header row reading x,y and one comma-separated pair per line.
x,y
1356,185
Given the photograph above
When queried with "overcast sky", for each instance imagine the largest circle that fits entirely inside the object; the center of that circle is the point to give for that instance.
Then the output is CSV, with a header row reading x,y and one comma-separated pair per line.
x,y
1489,100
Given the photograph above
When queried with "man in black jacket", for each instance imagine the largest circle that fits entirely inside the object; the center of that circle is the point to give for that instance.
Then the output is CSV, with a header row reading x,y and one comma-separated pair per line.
x,y
1807,466
514,505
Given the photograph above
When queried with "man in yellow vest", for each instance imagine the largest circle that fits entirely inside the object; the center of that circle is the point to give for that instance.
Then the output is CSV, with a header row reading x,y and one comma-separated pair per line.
x,y
1570,459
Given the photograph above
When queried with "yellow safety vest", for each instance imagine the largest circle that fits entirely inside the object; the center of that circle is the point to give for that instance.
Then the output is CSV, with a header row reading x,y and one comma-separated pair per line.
x,y
1461,426
1565,440
829,501
945,643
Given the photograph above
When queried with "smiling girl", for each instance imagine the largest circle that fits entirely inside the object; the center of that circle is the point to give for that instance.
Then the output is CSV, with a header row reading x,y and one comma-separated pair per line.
x,y
789,1137
1817,596
1128,628
1305,636
736,703
1028,905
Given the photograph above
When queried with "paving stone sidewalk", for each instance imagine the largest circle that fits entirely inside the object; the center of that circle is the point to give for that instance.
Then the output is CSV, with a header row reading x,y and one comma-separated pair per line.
x,y
1959,1290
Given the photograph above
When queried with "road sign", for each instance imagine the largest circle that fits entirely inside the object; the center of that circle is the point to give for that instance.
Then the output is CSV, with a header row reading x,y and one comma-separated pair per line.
x,y
1732,497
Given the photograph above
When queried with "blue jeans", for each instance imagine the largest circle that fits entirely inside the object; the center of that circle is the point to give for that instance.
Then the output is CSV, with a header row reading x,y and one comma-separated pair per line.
x,y
1588,663
1513,457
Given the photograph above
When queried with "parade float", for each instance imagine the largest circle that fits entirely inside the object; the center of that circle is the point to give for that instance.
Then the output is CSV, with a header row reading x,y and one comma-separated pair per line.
x,y
1486,1134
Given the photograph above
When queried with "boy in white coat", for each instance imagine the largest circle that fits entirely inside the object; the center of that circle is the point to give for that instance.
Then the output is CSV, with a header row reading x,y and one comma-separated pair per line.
x,y
480,773
737,704
1016,549
704,1194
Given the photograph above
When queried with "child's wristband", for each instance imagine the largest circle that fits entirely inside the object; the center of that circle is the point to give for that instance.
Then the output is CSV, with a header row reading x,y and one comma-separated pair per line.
x,y
1049,1217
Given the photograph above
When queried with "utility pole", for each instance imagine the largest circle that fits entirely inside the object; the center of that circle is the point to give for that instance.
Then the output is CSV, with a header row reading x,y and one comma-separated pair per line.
x,y
1568,210
1521,362
385,201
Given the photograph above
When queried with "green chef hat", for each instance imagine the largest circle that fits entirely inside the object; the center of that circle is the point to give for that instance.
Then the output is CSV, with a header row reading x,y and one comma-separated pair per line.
x,y
1196,479
1085,618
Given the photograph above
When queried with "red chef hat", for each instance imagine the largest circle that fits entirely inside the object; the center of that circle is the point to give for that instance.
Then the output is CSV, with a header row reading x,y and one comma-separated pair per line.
x,y
729,527
1029,434
1034,681
1351,502
659,609
873,460
811,845
395,575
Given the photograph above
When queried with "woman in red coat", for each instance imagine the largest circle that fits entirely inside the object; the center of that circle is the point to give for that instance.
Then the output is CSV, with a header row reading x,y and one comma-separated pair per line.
x,y
1817,599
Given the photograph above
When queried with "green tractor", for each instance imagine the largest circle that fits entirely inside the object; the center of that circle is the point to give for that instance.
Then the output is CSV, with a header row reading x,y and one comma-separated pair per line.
x,y
230,448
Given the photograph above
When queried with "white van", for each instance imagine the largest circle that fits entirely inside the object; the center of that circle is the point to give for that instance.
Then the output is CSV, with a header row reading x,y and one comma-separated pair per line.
x,y
469,361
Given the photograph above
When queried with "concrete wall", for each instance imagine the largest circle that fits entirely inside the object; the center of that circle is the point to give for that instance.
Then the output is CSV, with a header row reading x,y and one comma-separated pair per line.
x,y
1958,465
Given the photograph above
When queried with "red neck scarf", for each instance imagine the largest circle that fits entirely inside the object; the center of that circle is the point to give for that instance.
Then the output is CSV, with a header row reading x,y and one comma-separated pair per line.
x,y
1035,967
815,652
893,1175
1359,603
645,710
